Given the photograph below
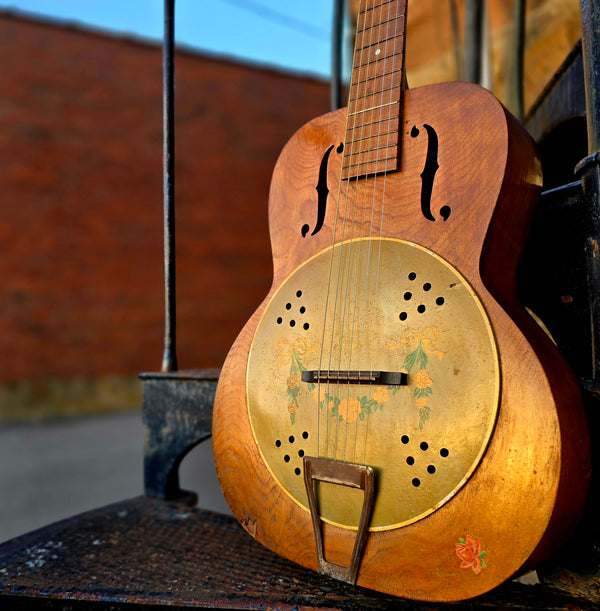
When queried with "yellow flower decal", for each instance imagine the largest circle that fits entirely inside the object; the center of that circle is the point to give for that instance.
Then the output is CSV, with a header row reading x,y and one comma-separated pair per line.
x,y
296,368
421,402
381,395
349,409
319,392
412,338
296,349
422,379
423,384
293,381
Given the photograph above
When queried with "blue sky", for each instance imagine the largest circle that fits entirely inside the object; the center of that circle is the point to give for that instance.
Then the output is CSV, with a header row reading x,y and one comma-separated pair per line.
x,y
292,35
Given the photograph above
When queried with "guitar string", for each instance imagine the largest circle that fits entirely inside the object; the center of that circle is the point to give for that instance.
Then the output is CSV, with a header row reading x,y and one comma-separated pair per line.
x,y
349,153
367,48
324,397
403,6
375,125
346,258
364,48
360,244
338,323
373,299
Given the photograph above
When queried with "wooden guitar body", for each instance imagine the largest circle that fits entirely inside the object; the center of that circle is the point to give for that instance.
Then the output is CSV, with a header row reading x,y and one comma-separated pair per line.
x,y
496,401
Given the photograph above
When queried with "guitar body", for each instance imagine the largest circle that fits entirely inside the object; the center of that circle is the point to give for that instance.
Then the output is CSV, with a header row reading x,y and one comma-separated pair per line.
x,y
481,461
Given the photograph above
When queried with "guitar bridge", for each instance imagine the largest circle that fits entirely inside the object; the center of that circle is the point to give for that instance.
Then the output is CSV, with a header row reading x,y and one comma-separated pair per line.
x,y
382,378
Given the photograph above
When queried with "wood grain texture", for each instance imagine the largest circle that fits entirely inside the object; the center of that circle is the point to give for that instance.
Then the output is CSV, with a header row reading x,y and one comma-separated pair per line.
x,y
526,494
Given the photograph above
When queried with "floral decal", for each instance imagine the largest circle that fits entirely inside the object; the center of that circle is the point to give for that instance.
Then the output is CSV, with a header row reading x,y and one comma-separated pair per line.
x,y
471,555
293,385
351,409
417,360
422,382
348,409
294,352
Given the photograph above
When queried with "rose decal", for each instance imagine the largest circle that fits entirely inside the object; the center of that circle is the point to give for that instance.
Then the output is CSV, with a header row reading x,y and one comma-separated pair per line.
x,y
471,555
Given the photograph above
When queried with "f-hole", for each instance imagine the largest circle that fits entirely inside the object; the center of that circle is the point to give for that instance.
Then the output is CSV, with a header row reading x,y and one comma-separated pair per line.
x,y
322,192
428,174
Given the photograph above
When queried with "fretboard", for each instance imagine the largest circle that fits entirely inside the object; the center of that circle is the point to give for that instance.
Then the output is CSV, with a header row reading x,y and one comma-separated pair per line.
x,y
374,106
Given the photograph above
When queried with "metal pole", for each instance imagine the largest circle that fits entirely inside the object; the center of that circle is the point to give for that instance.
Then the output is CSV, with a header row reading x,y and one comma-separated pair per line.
x,y
590,22
169,362
589,171
473,40
458,52
516,82
337,37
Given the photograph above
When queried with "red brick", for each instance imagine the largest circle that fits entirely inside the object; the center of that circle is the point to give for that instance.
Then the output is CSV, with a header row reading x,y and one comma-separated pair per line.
x,y
81,188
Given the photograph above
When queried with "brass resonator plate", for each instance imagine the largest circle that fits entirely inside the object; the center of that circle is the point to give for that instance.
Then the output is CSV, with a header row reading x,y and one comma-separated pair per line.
x,y
385,305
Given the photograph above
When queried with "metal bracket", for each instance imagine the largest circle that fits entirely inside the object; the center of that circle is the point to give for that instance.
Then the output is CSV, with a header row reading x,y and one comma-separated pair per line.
x,y
341,474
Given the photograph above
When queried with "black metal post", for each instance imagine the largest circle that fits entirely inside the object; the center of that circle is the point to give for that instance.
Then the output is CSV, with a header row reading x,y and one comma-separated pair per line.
x,y
458,52
169,362
516,82
589,170
590,23
337,38
473,40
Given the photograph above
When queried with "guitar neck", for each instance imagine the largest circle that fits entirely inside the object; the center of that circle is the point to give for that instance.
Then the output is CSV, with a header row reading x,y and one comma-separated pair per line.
x,y
375,103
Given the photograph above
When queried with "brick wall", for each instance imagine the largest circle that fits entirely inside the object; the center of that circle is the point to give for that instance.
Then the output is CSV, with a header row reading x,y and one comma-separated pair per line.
x,y
81,187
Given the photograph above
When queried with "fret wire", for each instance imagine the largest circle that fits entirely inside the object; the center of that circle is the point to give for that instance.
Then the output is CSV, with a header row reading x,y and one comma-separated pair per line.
x,y
388,106
377,27
374,18
371,78
394,118
379,135
374,162
358,112
372,26
371,150
379,23
380,43
378,59
372,8
374,148
374,93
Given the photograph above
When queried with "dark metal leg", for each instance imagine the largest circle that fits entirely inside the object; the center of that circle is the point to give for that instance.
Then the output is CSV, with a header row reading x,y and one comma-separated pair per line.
x,y
177,413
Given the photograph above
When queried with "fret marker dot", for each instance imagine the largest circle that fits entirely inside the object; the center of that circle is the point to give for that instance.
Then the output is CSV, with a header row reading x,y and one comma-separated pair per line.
x,y
378,52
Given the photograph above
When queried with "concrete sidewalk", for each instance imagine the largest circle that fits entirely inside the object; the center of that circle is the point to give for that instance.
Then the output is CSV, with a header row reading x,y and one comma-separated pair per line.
x,y
53,471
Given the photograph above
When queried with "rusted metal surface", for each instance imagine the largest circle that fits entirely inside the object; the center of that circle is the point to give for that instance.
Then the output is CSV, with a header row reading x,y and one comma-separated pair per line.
x,y
147,553
177,413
